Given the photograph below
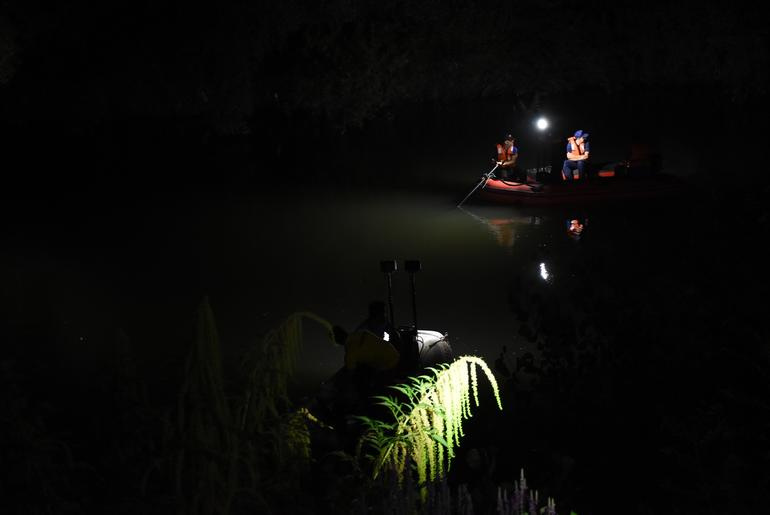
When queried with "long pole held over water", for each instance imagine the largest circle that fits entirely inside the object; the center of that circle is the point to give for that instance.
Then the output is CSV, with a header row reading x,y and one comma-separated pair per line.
x,y
484,180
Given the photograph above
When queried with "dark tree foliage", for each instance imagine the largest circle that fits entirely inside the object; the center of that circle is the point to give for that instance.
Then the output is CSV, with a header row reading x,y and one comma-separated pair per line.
x,y
8,51
345,62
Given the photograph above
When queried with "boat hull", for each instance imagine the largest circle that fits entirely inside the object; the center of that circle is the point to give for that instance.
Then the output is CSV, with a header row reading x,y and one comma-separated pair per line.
x,y
591,191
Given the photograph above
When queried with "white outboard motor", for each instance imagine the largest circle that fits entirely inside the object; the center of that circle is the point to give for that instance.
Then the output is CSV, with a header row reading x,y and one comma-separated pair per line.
x,y
433,348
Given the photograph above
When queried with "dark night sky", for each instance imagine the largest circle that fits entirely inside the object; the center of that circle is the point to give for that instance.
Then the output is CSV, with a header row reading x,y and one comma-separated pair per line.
x,y
341,63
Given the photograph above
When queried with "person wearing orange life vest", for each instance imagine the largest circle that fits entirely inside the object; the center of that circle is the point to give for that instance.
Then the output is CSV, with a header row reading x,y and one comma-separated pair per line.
x,y
578,151
507,154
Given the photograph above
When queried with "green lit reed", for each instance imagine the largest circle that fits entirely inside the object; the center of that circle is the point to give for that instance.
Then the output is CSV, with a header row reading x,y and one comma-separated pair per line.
x,y
428,424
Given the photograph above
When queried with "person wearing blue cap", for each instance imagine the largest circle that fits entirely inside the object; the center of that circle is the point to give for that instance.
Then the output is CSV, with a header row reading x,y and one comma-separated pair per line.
x,y
577,153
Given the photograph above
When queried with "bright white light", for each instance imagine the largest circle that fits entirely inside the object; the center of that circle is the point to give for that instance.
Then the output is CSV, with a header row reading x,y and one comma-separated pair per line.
x,y
542,124
543,272
386,336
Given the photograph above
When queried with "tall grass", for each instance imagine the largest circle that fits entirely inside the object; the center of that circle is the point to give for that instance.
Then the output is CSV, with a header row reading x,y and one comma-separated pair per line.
x,y
268,368
222,450
521,500
203,447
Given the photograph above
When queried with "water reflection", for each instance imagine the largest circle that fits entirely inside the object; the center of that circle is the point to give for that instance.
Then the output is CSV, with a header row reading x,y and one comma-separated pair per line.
x,y
544,272
575,228
505,225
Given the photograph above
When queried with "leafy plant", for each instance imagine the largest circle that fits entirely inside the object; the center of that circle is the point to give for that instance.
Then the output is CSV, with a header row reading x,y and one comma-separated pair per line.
x,y
223,450
268,368
427,425
523,501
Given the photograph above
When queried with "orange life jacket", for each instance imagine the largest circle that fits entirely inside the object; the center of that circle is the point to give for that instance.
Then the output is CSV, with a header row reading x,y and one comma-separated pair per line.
x,y
579,149
504,154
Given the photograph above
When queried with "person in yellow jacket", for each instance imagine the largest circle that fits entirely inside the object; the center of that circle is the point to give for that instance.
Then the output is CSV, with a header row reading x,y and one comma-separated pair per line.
x,y
366,349
371,364
374,347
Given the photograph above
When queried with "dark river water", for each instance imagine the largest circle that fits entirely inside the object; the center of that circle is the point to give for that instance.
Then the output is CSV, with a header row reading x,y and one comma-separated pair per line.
x,y
144,268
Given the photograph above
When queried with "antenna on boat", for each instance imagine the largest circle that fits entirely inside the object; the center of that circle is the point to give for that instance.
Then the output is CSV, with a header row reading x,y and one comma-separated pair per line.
x,y
388,267
413,266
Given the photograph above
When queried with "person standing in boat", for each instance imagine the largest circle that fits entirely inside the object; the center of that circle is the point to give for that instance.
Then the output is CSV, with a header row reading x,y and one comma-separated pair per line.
x,y
507,155
578,152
